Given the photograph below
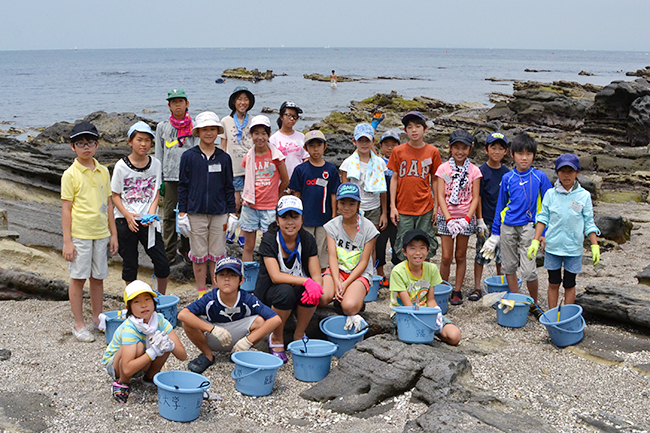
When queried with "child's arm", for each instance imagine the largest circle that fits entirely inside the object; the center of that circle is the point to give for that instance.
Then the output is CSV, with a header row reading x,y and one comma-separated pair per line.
x,y
284,177
132,362
479,209
296,193
405,298
183,183
279,277
538,231
114,245
344,176
193,321
440,188
69,251
333,205
130,217
436,198
394,214
179,350
368,248
383,219
334,263
476,198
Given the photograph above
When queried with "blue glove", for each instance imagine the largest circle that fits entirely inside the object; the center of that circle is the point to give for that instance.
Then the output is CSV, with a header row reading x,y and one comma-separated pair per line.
x,y
149,218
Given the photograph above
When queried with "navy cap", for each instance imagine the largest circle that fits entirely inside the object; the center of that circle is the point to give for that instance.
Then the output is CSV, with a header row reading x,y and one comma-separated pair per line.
x,y
415,234
567,159
348,190
496,136
84,128
413,115
389,134
461,136
232,263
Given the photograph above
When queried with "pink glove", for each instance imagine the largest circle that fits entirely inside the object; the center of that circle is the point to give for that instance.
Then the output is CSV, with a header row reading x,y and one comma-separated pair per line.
x,y
312,293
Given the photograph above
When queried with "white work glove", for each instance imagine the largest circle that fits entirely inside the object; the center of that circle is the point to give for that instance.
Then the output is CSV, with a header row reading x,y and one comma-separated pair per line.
x,y
454,226
481,229
222,335
153,352
353,322
232,227
166,344
506,305
439,321
184,225
490,246
241,345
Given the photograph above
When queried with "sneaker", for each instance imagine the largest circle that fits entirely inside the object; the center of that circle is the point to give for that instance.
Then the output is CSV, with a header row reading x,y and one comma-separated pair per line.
x,y
120,392
147,381
384,283
456,298
83,335
199,364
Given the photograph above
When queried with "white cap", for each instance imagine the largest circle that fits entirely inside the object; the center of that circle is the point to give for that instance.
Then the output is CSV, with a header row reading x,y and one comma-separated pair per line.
x,y
287,203
260,120
207,118
136,288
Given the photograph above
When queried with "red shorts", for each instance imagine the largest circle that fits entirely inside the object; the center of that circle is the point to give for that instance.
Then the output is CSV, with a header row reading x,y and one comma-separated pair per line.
x,y
344,276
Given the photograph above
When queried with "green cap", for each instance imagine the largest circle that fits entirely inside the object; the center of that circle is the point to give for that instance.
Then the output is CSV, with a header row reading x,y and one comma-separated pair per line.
x,y
176,93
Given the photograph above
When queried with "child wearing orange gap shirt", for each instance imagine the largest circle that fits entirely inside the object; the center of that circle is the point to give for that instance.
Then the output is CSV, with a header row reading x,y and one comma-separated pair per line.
x,y
413,164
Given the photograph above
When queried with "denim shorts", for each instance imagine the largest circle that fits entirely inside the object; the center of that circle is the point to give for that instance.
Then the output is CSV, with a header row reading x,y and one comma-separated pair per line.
x,y
251,220
572,264
238,183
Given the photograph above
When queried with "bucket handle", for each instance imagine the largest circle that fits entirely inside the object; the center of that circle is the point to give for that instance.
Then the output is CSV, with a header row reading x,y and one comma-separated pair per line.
x,y
582,328
420,320
519,284
245,375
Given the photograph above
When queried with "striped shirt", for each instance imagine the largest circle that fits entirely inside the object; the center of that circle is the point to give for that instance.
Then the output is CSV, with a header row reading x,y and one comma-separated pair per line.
x,y
128,334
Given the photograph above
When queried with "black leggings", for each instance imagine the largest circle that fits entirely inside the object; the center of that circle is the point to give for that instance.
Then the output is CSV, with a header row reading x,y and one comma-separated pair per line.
x,y
128,249
387,234
555,277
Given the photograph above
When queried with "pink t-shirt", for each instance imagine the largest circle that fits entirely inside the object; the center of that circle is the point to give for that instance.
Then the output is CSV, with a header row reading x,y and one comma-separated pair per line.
x,y
291,147
267,181
464,195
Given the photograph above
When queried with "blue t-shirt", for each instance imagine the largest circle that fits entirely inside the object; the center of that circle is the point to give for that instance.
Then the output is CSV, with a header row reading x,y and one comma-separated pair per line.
x,y
215,311
316,186
490,184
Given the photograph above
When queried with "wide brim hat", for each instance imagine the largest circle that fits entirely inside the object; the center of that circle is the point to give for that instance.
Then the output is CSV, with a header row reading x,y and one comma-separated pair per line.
x,y
206,118
235,94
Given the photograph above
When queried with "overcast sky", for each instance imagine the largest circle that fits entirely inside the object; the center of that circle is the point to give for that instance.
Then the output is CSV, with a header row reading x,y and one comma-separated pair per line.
x,y
549,24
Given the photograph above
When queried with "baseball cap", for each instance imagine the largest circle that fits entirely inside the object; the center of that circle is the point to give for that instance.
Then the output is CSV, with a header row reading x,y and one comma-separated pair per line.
x,y
289,104
389,134
235,94
413,115
567,159
136,288
140,126
83,128
232,263
415,234
287,203
364,130
206,118
260,120
496,136
176,93
461,136
348,190
314,135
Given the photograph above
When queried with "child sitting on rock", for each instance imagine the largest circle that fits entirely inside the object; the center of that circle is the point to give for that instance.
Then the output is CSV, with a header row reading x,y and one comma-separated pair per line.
x,y
413,281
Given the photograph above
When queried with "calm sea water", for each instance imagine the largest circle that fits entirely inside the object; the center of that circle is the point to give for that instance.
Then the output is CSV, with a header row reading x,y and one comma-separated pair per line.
x,y
43,87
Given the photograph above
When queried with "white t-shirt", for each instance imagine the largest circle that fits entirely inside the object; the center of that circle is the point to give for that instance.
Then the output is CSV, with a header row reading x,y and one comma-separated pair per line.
x,y
369,200
236,149
137,187
291,147
349,251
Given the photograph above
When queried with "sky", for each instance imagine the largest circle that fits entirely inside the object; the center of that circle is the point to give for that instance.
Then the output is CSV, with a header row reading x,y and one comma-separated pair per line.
x,y
517,24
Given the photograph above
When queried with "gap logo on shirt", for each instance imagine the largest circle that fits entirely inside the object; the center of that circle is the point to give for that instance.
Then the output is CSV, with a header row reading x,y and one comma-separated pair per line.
x,y
411,169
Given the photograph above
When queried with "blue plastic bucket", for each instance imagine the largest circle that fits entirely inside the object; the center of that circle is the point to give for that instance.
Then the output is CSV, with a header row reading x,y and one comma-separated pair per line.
x,y
167,306
569,330
180,394
441,294
373,291
517,317
251,271
255,372
416,326
498,283
113,321
332,327
311,364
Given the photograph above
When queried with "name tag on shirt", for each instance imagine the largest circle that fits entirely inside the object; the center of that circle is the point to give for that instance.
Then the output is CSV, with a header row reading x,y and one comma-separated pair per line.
x,y
103,208
576,207
426,162
446,177
321,182
214,168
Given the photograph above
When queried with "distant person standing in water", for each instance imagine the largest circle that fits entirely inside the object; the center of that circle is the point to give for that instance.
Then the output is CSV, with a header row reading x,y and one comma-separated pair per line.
x,y
333,79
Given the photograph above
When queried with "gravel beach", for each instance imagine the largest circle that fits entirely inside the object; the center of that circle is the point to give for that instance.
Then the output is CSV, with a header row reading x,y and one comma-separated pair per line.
x,y
53,383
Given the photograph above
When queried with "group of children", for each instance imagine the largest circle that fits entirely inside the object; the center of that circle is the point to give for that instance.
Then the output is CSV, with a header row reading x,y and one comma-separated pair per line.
x,y
406,196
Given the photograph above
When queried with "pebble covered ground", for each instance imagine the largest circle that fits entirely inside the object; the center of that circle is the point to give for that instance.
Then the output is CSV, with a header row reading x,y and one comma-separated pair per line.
x,y
520,366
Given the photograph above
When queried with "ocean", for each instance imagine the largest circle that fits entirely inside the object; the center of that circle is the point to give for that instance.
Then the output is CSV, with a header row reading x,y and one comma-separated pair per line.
x,y
44,87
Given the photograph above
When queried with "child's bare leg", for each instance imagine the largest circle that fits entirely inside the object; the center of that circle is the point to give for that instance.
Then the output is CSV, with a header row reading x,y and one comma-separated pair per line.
x,y
120,373
328,291
570,295
162,284
96,298
249,246
259,321
431,298
498,268
238,201
553,295
380,271
156,365
447,256
76,295
198,338
513,285
450,334
461,260
303,317
478,275
353,298
200,273
277,336
533,288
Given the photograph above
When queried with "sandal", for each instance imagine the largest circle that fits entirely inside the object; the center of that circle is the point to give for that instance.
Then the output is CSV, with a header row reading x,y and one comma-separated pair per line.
x,y
475,295
282,355
384,283
120,391
456,298
199,364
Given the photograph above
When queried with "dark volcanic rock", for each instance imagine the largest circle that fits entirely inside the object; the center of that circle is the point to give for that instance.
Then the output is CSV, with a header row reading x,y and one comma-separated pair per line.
x,y
614,227
33,285
644,276
638,122
629,304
